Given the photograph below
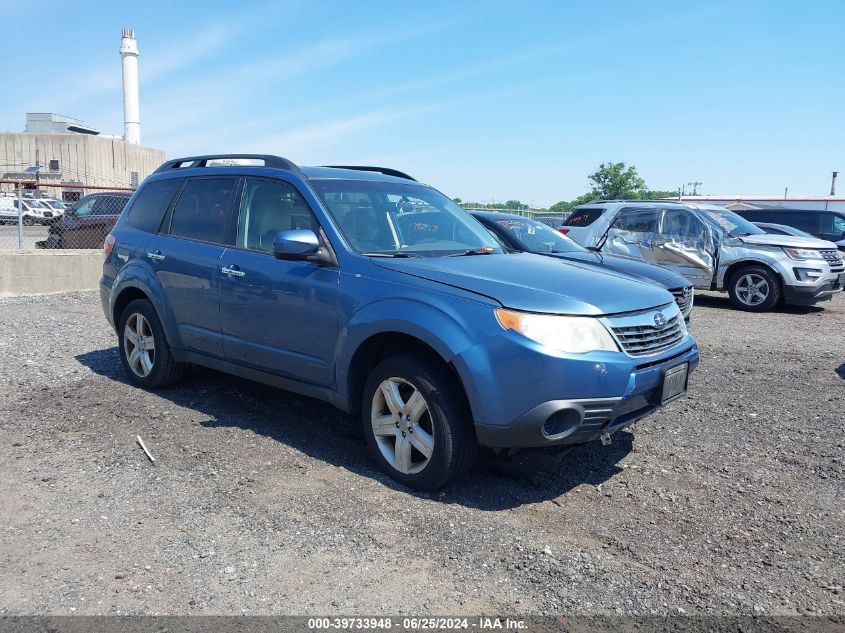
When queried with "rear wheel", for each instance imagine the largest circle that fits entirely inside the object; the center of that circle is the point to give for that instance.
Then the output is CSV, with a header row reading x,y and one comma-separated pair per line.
x,y
144,350
755,289
417,422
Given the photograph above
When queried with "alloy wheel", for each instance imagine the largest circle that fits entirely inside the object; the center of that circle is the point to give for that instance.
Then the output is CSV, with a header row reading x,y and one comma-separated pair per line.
x,y
752,289
139,345
402,426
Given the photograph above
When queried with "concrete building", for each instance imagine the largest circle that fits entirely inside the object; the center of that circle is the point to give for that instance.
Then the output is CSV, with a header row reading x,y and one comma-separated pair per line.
x,y
68,152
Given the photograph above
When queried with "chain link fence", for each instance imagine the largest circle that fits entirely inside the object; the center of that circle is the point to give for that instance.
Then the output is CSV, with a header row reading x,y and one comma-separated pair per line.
x,y
36,216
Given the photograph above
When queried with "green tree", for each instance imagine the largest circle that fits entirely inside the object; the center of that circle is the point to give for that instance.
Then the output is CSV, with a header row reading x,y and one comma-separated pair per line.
x,y
515,204
615,181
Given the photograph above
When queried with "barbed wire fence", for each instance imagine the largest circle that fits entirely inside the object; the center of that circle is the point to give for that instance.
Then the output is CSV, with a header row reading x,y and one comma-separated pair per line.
x,y
49,215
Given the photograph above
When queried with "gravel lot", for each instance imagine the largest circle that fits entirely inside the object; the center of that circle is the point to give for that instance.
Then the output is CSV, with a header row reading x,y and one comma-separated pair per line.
x,y
729,501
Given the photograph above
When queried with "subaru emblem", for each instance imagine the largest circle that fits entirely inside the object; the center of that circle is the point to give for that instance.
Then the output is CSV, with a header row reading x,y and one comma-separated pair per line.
x,y
660,320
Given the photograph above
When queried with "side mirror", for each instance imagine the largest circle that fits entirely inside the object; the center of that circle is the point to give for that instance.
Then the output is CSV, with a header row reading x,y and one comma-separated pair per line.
x,y
295,245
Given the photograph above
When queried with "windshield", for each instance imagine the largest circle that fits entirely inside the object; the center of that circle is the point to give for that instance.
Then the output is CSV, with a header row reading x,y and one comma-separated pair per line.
x,y
731,223
36,204
398,219
534,236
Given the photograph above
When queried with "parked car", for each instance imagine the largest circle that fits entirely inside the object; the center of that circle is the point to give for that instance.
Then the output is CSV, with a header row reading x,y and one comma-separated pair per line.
x,y
369,290
530,236
780,229
86,223
34,211
783,229
825,225
713,248
58,207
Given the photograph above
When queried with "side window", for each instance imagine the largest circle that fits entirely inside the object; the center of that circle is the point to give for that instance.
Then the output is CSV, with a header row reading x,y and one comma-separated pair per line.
x,y
86,207
797,219
267,207
831,223
682,226
637,220
204,210
151,204
109,205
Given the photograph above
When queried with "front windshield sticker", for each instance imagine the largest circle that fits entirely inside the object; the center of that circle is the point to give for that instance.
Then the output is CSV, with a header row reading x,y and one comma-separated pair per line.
x,y
722,220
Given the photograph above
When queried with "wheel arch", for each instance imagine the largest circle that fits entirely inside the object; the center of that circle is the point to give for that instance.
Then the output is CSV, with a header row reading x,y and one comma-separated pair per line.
x,y
733,268
136,282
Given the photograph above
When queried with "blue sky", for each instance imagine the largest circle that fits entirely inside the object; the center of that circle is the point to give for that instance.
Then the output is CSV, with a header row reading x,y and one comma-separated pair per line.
x,y
484,100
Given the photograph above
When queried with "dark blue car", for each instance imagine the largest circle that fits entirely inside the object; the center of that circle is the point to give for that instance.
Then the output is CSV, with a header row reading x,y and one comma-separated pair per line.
x,y
531,236
378,294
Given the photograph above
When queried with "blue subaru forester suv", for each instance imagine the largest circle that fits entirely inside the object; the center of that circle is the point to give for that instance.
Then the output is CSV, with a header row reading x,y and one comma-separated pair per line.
x,y
376,293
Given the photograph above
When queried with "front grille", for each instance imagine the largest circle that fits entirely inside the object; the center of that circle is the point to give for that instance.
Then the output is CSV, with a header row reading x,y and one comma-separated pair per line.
x,y
833,258
639,340
683,297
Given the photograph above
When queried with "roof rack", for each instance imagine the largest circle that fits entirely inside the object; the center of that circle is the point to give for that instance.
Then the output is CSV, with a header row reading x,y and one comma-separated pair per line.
x,y
387,171
202,161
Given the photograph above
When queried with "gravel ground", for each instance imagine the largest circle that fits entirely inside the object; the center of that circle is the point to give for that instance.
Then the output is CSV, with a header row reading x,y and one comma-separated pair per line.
x,y
729,501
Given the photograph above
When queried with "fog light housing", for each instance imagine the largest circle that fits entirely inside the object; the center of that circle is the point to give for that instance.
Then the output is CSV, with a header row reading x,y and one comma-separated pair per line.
x,y
807,274
561,422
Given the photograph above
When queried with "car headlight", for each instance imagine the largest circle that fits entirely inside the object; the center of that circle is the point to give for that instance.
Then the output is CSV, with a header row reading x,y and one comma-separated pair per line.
x,y
802,254
575,335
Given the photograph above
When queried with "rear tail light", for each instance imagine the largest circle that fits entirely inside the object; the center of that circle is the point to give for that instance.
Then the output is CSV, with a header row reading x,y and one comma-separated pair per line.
x,y
108,245
564,231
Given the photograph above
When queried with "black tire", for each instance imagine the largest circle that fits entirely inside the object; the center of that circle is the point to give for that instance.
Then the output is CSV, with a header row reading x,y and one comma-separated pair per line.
x,y
448,417
165,370
739,297
28,221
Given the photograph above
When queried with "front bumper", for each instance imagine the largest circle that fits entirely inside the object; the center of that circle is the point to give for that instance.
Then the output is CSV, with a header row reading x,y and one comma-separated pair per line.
x,y
577,421
809,282
807,296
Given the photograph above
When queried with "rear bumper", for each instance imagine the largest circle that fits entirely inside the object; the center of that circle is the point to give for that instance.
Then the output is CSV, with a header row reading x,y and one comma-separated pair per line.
x,y
577,421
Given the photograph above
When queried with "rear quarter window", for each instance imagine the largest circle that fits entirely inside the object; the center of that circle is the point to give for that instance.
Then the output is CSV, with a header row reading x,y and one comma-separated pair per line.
x,y
151,204
583,217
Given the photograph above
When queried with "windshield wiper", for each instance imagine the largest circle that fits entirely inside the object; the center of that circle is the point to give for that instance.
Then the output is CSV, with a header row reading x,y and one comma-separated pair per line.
x,y
391,255
473,251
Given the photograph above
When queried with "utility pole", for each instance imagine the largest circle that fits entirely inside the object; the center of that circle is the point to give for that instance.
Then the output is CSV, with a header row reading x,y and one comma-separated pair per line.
x,y
833,183
695,184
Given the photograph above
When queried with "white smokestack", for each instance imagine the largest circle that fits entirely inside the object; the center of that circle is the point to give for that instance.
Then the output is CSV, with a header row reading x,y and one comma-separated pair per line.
x,y
131,109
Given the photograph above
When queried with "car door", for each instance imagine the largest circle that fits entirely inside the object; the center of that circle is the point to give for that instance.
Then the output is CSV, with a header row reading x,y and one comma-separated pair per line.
x,y
90,223
685,244
276,315
632,233
186,255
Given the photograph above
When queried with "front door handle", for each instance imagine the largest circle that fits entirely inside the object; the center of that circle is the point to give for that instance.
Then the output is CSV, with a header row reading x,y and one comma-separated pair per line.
x,y
232,271
156,256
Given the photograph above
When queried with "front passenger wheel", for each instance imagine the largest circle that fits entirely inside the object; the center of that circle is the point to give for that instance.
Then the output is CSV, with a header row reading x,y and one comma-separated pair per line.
x,y
144,350
417,422
754,288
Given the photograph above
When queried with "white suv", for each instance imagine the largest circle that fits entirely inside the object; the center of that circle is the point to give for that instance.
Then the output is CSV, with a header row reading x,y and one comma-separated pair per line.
x,y
713,248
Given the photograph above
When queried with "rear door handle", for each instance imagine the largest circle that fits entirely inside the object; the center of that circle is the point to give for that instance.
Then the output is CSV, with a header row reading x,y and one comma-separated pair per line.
x,y
232,271
156,256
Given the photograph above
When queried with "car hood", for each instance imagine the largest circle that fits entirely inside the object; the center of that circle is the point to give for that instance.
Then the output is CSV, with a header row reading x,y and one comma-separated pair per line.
x,y
628,266
792,241
535,283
